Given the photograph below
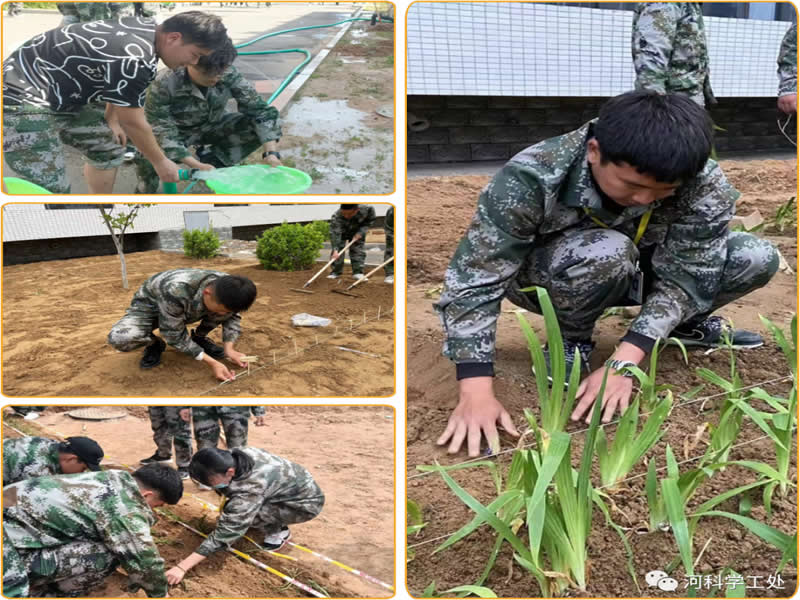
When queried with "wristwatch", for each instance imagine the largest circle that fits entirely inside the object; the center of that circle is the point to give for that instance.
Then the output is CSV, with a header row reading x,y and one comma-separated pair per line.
x,y
274,153
620,367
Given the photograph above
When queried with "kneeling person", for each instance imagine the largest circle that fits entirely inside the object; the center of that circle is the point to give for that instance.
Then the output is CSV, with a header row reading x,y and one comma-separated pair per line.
x,y
171,300
187,107
64,535
29,457
262,491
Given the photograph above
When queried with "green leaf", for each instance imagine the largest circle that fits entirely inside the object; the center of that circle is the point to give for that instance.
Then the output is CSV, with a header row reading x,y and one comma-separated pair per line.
x,y
430,591
414,512
475,590
677,521
767,533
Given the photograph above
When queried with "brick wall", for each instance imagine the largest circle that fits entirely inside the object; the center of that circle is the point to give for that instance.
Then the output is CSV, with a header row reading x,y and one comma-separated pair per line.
x,y
475,128
15,253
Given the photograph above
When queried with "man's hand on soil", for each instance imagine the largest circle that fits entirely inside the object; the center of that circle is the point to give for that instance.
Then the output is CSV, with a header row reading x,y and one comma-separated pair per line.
x,y
616,398
236,357
477,413
222,372
175,575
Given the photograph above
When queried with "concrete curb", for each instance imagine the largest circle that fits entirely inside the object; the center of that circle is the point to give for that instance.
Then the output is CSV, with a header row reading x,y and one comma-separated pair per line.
x,y
291,89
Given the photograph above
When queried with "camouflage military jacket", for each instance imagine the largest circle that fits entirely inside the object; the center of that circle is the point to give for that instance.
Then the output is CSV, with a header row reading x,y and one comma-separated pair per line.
x,y
273,480
669,49
104,507
180,113
28,457
543,190
177,295
787,63
83,12
344,229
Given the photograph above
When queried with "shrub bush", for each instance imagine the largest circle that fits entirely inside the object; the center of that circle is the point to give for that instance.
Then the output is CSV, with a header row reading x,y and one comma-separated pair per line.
x,y
200,243
324,227
289,247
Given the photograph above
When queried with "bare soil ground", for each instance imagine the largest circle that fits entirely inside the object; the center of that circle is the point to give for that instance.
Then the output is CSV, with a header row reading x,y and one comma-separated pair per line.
x,y
439,210
57,314
348,450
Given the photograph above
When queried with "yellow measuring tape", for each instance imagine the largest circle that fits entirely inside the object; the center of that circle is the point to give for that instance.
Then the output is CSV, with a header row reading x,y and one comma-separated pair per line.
x,y
639,232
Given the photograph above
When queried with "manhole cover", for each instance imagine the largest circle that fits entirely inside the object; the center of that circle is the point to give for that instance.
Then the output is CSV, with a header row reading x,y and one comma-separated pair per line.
x,y
387,110
98,414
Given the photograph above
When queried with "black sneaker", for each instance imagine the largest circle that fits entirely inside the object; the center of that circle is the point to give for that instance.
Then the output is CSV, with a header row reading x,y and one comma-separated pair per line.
x,y
584,347
184,473
710,334
152,354
209,347
156,458
276,541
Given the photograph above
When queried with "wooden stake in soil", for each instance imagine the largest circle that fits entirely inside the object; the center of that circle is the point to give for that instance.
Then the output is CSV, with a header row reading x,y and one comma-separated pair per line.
x,y
379,311
274,357
296,352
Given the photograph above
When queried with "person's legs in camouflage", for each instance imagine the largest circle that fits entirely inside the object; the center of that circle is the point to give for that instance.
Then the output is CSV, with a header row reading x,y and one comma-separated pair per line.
x,y
161,431
235,423
15,572
205,421
584,271
276,516
338,264
358,256
146,176
33,149
89,132
135,329
232,139
70,570
181,433
389,253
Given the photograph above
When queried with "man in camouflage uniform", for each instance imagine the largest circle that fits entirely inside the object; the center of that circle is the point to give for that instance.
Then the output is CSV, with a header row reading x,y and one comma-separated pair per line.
x,y
14,8
388,230
669,50
626,210
206,422
28,457
85,12
262,491
63,535
173,299
187,107
350,222
170,425
787,72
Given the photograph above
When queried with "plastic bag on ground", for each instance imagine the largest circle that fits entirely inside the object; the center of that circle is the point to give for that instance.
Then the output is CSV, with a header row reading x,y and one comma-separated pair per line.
x,y
307,320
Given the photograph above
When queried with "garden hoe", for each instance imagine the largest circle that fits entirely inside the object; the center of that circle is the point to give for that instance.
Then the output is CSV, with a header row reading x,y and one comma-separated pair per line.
x,y
321,271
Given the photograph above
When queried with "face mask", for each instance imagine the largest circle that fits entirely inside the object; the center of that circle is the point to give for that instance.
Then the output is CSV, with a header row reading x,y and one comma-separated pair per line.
x,y
220,486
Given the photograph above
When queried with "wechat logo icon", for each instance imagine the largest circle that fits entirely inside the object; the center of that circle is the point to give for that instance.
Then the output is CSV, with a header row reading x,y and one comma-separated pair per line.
x,y
661,580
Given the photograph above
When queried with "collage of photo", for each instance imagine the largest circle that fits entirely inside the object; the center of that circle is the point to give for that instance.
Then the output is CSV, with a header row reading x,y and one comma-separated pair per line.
x,y
572,374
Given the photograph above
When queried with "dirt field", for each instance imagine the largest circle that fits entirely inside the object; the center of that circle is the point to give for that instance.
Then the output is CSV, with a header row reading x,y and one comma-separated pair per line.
x,y
439,210
57,314
349,452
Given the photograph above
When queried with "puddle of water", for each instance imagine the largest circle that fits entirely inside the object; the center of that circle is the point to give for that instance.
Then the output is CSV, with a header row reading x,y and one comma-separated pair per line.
x,y
359,33
329,118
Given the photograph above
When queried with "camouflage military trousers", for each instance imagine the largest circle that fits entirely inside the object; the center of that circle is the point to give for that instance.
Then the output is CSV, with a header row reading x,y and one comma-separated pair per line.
x,y
135,329
588,270
389,252
34,139
229,141
358,256
70,570
274,516
206,422
168,429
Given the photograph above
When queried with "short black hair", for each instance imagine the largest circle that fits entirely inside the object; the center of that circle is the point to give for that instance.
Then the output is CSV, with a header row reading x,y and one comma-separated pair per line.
x,y
197,27
161,479
219,60
348,206
234,292
215,461
666,136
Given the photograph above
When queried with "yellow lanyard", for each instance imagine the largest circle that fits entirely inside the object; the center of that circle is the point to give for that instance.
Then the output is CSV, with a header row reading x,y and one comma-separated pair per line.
x,y
639,232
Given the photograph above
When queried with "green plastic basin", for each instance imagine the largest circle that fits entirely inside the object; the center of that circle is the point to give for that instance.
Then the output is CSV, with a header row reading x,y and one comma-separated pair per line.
x,y
256,179
15,185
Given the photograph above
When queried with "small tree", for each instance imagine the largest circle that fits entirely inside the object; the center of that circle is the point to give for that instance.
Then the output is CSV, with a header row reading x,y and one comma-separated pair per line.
x,y
117,225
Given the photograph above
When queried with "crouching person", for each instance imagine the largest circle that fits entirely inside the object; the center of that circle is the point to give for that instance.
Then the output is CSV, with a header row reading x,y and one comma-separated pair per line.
x,y
63,535
262,491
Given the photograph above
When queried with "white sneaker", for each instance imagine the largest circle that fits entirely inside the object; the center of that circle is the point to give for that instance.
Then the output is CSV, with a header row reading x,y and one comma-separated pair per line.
x,y
276,541
389,279
358,276
333,276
